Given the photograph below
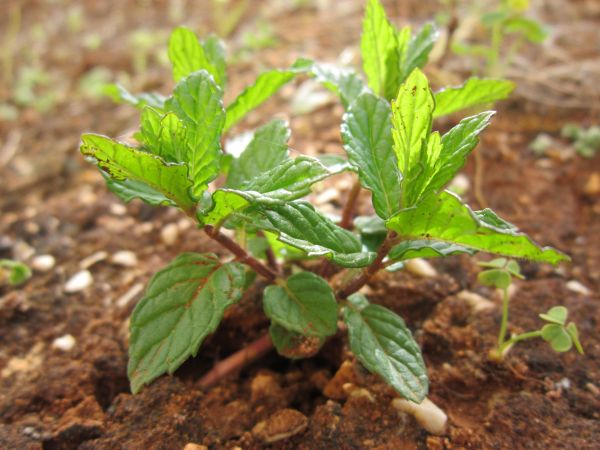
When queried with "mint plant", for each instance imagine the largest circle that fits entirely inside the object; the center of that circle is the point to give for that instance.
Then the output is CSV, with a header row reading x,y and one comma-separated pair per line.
x,y
499,273
179,162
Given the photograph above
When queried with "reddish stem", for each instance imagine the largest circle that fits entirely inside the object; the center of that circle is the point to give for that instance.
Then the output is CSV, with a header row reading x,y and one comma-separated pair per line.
x,y
358,282
241,254
237,361
348,212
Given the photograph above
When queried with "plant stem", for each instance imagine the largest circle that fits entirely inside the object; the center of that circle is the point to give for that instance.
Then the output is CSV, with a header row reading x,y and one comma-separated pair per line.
x,y
241,254
356,283
348,212
504,322
237,361
519,337
271,259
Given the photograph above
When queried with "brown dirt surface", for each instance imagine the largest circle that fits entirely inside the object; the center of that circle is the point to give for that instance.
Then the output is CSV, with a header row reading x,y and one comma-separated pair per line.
x,y
52,202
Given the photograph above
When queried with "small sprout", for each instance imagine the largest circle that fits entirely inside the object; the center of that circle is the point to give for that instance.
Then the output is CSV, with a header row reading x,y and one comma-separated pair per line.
x,y
499,274
13,272
586,142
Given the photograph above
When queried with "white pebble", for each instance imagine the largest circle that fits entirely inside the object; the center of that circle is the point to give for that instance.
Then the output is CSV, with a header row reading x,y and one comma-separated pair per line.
x,y
427,413
94,258
79,282
64,343
43,263
576,286
117,209
124,258
170,233
421,268
133,292
476,301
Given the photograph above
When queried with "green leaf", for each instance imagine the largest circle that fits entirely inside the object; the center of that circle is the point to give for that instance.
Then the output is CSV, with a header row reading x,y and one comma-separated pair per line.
x,y
424,248
378,44
267,149
215,53
497,278
122,162
411,119
366,131
556,314
474,92
572,330
305,304
197,102
342,81
445,218
288,181
164,135
443,158
128,190
183,304
531,29
265,86
558,338
121,95
382,342
417,51
294,345
17,272
187,56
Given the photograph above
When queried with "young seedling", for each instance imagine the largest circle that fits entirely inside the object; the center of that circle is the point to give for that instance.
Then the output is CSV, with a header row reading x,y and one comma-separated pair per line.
x,y
499,273
391,148
508,28
13,272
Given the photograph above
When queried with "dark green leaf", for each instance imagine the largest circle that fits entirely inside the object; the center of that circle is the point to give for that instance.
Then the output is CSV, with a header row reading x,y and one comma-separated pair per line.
x,y
267,149
424,248
382,342
366,131
128,190
445,218
187,56
378,42
473,93
197,102
182,305
122,162
305,304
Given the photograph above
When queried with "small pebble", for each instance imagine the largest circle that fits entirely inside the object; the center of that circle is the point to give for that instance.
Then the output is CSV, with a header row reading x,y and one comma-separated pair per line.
x,y
192,446
43,263
64,343
22,251
117,209
282,425
124,258
79,282
592,186
133,292
421,268
576,286
94,258
476,301
170,233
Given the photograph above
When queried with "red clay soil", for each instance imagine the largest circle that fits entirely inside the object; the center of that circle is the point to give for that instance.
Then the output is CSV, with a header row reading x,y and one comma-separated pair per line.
x,y
52,202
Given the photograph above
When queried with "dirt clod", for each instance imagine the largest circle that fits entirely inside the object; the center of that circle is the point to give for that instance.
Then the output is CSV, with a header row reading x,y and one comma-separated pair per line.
x,y
280,426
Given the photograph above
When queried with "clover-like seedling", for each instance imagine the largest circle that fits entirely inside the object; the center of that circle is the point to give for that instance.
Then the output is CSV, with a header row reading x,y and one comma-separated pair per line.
x,y
258,196
499,273
13,272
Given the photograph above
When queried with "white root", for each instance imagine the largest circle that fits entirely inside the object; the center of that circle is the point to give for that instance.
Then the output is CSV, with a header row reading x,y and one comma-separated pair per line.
x,y
427,414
